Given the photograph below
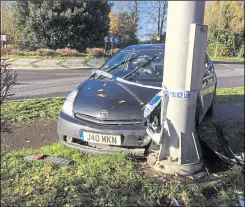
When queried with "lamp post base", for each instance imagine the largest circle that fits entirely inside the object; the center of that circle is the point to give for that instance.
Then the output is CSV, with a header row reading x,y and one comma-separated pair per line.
x,y
168,167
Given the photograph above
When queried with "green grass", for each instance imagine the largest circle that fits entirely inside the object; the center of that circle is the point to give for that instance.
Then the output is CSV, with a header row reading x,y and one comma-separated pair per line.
x,y
106,181
49,108
32,109
227,95
228,59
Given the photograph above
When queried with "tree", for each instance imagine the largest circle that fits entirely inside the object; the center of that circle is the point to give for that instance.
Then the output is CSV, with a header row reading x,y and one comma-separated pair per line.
x,y
127,29
156,12
226,28
114,23
8,26
59,24
127,17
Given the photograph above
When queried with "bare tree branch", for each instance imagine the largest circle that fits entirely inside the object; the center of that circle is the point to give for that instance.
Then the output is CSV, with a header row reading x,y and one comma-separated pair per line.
x,y
156,12
8,79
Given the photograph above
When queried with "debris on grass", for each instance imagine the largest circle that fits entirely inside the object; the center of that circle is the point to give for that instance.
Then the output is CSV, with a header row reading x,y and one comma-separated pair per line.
x,y
112,180
48,159
241,201
173,199
200,175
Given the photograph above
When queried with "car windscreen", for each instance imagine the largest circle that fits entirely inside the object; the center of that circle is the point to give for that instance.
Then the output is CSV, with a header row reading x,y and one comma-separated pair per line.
x,y
136,65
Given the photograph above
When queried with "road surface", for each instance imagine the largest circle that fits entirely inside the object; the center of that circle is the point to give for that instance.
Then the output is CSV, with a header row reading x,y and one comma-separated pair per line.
x,y
55,83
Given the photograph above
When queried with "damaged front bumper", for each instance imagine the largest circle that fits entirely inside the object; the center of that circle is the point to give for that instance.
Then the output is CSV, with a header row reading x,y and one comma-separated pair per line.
x,y
135,140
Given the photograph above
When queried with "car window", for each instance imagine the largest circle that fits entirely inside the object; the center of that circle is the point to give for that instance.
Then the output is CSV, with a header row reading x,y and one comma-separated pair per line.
x,y
136,59
118,58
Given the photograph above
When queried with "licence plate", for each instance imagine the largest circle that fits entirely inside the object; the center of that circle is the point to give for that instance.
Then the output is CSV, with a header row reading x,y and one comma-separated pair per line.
x,y
101,138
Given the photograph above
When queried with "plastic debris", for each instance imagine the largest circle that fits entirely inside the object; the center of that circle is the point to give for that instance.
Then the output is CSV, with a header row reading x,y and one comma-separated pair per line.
x,y
38,156
101,95
122,101
142,103
200,175
48,159
176,203
100,90
241,201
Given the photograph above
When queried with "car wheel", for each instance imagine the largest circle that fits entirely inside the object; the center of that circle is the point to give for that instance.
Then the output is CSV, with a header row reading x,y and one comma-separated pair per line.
x,y
212,107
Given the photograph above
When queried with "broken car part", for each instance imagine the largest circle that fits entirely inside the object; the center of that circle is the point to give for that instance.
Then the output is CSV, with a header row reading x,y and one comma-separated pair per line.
x,y
48,159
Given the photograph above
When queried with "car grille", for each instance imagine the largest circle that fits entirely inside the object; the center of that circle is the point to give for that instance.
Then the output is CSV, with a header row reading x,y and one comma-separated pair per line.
x,y
95,120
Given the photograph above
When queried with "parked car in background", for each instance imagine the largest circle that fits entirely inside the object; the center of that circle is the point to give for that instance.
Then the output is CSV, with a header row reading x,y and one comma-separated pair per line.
x,y
105,116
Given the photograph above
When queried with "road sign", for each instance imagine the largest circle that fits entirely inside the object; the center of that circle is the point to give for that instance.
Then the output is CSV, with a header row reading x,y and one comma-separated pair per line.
x,y
3,38
111,39
107,39
116,40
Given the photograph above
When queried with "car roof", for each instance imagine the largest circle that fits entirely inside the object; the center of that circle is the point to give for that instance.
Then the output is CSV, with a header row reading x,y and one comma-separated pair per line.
x,y
145,47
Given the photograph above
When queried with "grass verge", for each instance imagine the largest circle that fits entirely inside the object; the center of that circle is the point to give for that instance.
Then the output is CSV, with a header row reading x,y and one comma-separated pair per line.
x,y
49,108
228,59
227,95
32,109
106,181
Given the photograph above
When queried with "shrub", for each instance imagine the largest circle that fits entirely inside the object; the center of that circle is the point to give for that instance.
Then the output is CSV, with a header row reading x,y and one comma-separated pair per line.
x,y
10,50
241,52
45,52
222,49
4,51
14,52
28,53
95,52
67,52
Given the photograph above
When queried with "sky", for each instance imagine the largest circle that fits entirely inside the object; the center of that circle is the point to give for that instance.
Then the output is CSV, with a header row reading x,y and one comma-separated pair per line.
x,y
146,25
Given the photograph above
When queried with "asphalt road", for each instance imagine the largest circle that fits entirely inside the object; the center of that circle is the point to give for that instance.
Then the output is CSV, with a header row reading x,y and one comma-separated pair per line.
x,y
55,83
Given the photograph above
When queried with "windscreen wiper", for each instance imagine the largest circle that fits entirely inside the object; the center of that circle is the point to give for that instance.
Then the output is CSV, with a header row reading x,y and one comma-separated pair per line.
x,y
136,69
120,64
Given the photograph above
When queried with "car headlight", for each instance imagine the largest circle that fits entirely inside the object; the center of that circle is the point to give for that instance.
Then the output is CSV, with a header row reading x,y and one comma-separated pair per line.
x,y
68,105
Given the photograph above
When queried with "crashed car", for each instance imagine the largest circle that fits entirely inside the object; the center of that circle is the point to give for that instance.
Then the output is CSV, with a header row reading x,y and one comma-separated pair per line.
x,y
104,114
